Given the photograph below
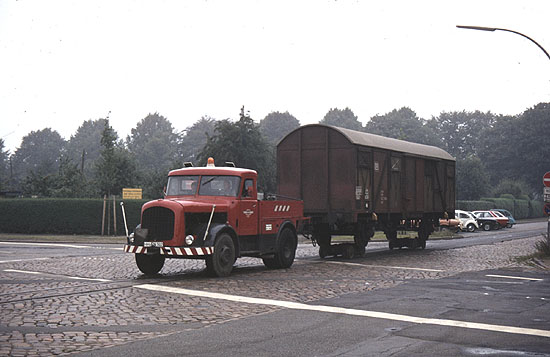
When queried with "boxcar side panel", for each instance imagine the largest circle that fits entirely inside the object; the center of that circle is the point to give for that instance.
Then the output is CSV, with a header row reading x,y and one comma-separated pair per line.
x,y
289,167
342,166
315,169
380,181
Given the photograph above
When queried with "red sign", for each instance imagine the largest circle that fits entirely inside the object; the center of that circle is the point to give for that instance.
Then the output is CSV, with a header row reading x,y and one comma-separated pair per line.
x,y
546,179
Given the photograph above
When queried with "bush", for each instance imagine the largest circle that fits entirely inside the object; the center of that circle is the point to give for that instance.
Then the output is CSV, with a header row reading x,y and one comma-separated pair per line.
x,y
474,205
63,216
536,209
521,209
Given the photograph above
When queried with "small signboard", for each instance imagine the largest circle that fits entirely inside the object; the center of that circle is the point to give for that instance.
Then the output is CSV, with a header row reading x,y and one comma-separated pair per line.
x,y
546,194
131,194
547,209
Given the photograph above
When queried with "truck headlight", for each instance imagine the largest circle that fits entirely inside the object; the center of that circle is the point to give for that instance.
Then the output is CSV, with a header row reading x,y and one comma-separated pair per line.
x,y
189,240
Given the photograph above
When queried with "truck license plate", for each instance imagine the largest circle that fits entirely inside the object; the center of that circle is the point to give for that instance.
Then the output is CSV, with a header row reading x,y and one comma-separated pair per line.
x,y
153,244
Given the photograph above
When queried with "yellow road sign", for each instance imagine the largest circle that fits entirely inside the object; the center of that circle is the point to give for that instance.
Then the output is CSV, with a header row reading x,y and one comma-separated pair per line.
x,y
131,194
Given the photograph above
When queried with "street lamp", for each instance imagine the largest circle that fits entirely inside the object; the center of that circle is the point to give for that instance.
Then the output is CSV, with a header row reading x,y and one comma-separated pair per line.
x,y
493,29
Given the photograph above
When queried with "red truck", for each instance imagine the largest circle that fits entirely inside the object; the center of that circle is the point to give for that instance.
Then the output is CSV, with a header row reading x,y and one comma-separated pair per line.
x,y
213,213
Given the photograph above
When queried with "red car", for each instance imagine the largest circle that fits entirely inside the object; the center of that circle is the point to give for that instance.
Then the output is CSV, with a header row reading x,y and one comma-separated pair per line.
x,y
490,220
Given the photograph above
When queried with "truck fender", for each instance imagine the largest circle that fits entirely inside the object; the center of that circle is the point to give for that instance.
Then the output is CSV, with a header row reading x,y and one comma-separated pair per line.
x,y
284,225
216,229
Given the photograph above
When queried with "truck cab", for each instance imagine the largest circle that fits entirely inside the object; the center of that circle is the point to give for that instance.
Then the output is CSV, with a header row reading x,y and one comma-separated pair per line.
x,y
213,213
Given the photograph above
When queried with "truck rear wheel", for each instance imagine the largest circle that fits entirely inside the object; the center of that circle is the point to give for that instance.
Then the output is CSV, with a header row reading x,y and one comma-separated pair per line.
x,y
286,251
220,263
149,264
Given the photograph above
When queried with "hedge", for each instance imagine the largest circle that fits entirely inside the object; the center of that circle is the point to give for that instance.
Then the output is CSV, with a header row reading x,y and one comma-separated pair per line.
x,y
520,209
64,216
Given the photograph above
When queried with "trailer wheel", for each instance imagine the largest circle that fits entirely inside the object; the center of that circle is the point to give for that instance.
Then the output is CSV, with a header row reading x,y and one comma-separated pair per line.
x,y
220,263
149,264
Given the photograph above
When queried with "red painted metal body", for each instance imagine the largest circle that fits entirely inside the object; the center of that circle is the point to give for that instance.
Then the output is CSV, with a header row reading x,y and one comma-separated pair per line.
x,y
205,202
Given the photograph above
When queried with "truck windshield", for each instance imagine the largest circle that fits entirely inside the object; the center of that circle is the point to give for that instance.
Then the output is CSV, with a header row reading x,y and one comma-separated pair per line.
x,y
220,186
182,185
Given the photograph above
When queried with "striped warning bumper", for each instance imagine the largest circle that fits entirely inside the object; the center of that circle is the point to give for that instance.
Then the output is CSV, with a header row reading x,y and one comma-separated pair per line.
x,y
172,251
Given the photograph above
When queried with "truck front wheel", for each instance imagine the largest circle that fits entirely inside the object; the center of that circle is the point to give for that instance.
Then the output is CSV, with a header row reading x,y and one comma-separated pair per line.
x,y
220,263
149,264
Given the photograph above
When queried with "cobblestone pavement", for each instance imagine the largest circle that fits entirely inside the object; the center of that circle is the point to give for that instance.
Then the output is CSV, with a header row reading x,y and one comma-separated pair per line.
x,y
52,314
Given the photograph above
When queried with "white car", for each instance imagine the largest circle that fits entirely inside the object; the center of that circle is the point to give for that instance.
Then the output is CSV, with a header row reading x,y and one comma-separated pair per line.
x,y
468,221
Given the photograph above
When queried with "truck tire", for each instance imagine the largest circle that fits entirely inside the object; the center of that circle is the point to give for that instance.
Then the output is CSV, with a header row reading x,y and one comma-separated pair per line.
x,y
286,251
149,264
220,263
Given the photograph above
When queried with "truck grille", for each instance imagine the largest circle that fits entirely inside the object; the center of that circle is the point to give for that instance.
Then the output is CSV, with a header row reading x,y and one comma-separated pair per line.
x,y
160,223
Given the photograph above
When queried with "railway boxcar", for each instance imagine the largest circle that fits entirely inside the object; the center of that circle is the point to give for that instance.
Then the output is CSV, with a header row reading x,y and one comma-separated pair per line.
x,y
353,183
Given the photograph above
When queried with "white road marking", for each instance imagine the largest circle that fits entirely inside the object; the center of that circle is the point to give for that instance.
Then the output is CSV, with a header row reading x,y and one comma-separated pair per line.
x,y
513,277
58,245
386,266
63,276
21,260
345,311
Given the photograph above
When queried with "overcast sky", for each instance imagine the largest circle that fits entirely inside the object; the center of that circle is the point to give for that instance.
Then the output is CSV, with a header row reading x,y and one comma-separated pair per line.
x,y
63,62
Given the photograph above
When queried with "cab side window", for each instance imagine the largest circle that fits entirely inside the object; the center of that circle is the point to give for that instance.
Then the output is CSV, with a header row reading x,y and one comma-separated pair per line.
x,y
248,188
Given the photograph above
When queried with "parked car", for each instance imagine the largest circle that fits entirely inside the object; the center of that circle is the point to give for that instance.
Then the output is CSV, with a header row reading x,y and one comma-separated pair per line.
x,y
468,221
511,220
487,220
502,220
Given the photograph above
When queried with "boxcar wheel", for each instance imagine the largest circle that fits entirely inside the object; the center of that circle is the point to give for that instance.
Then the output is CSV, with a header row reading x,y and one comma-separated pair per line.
x,y
220,263
348,252
149,264
323,251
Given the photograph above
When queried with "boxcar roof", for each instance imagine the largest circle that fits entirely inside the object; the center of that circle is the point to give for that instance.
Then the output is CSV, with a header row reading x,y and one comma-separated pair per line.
x,y
382,142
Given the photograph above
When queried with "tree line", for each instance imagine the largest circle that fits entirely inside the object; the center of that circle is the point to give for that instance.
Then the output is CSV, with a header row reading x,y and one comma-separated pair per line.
x,y
496,154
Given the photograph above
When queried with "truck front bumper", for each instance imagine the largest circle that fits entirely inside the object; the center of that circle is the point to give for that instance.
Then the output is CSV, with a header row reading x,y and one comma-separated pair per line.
x,y
170,251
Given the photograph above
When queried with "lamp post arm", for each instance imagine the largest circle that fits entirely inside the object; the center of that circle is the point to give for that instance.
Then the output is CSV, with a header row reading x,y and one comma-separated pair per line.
x,y
492,29
529,38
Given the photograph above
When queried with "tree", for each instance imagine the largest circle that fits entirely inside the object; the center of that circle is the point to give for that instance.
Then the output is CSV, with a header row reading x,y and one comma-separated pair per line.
x,y
528,147
461,131
84,147
153,143
115,168
4,165
515,188
344,118
40,152
472,180
403,124
195,138
276,125
242,143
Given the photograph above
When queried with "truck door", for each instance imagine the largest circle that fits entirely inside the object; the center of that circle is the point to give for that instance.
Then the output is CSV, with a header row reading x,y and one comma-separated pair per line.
x,y
248,210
